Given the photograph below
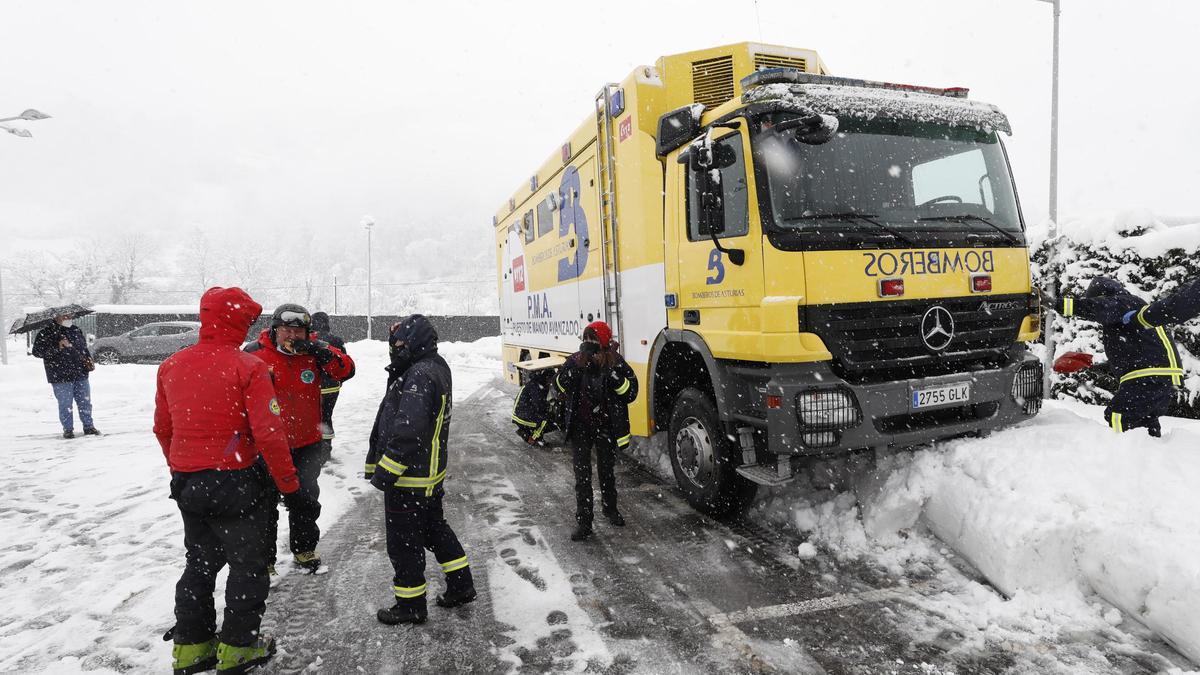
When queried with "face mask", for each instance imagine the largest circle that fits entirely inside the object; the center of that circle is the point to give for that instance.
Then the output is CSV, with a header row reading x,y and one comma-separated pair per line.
x,y
67,324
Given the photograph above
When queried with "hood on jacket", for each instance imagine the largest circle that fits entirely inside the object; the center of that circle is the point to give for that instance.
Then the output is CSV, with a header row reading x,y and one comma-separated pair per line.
x,y
1103,287
320,323
419,338
226,315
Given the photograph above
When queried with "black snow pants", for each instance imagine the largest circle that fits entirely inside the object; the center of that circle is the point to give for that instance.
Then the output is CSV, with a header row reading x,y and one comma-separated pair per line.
x,y
303,533
226,521
1139,403
581,456
415,522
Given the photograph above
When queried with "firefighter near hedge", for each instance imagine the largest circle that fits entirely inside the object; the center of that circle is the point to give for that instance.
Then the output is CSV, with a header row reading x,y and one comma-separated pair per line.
x,y
407,460
297,363
1142,356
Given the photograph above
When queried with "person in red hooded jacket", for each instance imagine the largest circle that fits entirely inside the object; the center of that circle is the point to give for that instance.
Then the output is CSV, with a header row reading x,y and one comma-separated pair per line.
x,y
215,414
298,362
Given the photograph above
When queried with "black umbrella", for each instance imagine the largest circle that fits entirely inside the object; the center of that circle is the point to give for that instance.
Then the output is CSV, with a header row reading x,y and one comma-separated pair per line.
x,y
45,317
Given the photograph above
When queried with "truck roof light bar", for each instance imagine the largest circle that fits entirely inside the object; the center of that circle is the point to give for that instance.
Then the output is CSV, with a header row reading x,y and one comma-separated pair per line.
x,y
794,76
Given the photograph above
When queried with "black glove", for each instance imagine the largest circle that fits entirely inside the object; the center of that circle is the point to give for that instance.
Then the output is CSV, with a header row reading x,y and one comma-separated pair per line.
x,y
300,501
382,480
320,349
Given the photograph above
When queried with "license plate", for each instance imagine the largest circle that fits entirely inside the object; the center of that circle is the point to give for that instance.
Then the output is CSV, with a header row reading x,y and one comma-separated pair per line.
x,y
946,394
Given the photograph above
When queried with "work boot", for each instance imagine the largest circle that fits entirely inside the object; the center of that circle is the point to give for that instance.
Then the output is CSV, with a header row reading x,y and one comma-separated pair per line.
x,y
68,434
310,562
581,533
406,610
194,658
615,518
91,431
233,660
457,598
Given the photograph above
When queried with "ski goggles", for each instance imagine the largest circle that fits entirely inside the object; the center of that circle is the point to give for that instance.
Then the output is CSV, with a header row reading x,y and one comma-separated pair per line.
x,y
296,319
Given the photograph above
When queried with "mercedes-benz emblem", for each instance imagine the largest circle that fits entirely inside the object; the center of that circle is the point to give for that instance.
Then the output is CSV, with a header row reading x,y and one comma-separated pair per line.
x,y
937,328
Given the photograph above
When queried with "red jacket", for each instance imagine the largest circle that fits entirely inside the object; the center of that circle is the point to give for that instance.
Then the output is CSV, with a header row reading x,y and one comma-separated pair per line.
x,y
297,379
215,407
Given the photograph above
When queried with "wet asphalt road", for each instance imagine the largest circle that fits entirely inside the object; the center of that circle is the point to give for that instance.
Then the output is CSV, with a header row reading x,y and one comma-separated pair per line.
x,y
673,592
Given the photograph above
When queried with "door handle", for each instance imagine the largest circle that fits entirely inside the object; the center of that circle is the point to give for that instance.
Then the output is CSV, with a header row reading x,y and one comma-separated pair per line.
x,y
691,317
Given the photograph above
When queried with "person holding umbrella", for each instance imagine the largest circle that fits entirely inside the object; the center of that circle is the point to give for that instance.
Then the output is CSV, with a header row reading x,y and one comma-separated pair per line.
x,y
64,353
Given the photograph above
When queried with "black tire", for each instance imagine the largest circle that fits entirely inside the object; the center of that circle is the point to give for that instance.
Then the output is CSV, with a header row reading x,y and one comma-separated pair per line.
x,y
108,357
703,459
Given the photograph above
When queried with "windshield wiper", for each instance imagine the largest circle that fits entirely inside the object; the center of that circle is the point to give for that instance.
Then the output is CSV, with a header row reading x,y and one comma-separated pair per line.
x,y
963,217
868,217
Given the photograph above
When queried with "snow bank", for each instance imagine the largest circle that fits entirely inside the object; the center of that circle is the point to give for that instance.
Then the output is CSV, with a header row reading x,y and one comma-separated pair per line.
x,y
93,546
1051,512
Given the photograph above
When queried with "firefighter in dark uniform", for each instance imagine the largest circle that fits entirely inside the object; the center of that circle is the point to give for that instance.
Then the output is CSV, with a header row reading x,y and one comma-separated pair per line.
x,y
330,386
596,387
531,411
1143,359
407,460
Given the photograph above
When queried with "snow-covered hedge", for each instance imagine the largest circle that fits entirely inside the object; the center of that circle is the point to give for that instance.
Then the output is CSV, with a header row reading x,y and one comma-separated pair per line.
x,y
1151,255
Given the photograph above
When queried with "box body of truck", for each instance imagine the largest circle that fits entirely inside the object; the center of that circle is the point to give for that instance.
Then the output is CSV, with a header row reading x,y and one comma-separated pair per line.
x,y
795,265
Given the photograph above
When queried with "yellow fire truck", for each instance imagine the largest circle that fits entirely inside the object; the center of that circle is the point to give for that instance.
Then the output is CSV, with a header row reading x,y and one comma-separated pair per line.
x,y
795,264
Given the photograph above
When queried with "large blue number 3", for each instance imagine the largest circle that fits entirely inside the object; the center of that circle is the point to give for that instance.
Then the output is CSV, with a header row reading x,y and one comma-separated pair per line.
x,y
717,267
571,215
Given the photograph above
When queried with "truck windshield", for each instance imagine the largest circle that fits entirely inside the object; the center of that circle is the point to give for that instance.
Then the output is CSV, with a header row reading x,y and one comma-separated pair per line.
x,y
890,179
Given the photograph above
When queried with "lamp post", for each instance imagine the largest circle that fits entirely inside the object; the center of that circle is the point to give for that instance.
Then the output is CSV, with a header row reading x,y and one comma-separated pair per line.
x,y
1056,230
29,115
368,222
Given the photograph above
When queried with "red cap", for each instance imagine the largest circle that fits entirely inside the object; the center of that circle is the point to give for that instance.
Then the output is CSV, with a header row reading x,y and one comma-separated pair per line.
x,y
1072,362
602,331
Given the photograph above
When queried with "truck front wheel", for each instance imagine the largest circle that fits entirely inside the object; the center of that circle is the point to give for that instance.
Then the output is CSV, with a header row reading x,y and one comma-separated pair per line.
x,y
703,459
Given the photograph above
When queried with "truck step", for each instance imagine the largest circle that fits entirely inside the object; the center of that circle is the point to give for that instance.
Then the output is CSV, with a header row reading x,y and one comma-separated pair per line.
x,y
764,475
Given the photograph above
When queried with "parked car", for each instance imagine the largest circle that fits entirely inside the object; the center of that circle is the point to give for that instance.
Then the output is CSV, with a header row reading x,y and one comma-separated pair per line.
x,y
154,341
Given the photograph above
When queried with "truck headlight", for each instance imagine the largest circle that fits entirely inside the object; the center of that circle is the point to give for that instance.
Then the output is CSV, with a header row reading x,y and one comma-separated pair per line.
x,y
824,414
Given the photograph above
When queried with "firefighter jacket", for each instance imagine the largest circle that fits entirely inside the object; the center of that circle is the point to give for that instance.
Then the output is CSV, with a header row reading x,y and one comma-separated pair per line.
x,y
1133,351
1180,306
531,412
297,379
615,387
408,439
215,407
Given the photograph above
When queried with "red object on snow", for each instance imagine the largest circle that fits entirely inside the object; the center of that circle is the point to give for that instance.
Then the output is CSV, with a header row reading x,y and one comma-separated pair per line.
x,y
1072,362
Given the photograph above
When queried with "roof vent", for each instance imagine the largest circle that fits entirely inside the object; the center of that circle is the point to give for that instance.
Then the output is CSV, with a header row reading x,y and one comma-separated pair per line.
x,y
712,81
764,61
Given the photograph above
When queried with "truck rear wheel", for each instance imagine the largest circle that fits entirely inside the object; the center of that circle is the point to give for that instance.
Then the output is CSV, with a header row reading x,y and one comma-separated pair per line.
x,y
703,459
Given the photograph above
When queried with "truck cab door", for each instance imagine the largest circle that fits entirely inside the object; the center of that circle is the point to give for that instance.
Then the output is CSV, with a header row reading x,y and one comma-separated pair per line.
x,y
713,296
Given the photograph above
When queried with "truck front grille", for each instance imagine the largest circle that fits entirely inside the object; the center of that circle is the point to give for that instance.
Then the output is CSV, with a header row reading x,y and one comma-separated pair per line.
x,y
871,339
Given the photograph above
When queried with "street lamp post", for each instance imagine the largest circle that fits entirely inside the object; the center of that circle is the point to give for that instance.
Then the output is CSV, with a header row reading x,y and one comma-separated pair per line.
x,y
1056,230
29,115
368,222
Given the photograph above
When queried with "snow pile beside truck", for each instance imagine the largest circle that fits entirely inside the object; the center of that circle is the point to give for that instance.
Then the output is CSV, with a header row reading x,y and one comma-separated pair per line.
x,y
1054,513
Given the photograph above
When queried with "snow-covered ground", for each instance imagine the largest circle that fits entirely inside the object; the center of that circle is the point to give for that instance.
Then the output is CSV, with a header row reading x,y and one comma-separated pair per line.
x,y
1083,531
90,544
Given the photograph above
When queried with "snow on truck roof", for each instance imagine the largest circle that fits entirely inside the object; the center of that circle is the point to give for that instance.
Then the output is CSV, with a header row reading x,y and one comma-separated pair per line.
x,y
869,102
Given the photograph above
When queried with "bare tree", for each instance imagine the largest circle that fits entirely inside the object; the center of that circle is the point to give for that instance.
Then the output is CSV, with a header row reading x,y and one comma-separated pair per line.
x,y
197,260
127,255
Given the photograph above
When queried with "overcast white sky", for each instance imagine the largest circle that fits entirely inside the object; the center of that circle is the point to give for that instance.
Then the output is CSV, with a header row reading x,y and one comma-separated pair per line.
x,y
261,116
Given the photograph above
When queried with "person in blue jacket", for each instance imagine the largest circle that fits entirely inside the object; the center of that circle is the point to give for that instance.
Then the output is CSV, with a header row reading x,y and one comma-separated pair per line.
x,y
64,352
1145,361
407,460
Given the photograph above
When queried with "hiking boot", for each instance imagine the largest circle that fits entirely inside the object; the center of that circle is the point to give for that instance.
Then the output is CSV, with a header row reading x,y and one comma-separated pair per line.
x,y
310,563
68,434
615,518
91,431
195,658
233,660
403,612
581,533
449,599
